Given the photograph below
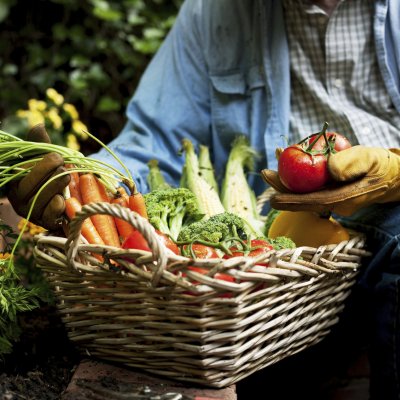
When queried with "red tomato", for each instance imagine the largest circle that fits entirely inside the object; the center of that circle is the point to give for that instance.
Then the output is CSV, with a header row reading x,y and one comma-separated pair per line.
x,y
136,241
218,275
302,172
168,242
259,246
339,141
203,251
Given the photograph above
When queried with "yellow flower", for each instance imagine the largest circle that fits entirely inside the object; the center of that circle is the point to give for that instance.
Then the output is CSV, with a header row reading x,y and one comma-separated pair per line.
x,y
72,143
36,105
30,227
33,117
4,256
55,118
79,128
71,110
22,113
54,96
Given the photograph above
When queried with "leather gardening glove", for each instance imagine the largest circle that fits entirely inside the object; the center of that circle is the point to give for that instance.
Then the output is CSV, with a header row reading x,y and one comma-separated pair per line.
x,y
361,176
50,204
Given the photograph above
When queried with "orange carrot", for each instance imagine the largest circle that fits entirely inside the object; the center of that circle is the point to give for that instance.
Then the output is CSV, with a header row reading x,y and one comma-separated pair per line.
x,y
74,183
105,225
124,228
122,192
103,191
137,204
74,186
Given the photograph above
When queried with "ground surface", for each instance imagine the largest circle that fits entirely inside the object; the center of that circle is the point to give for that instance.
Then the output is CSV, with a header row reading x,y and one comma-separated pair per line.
x,y
43,361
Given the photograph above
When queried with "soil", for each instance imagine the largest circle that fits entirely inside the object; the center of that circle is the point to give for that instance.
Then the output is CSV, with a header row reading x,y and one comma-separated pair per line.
x,y
43,360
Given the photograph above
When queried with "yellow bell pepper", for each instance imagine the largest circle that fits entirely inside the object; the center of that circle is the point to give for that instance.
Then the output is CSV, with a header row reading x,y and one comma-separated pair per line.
x,y
307,228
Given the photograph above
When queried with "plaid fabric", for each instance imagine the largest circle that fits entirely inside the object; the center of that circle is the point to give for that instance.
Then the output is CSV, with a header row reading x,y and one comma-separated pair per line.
x,y
335,75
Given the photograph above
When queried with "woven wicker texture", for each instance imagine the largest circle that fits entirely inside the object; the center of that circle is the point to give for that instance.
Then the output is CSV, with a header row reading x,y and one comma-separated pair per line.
x,y
146,310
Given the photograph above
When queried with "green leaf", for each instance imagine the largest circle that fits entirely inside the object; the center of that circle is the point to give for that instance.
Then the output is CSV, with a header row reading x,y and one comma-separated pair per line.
x,y
153,33
79,61
10,69
4,11
78,79
107,104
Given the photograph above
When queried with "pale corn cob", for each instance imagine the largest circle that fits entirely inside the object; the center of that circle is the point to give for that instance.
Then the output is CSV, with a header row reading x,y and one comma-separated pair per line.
x,y
206,168
236,195
207,197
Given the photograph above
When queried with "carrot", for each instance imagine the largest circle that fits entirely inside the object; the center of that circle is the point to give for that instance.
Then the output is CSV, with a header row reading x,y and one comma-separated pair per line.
x,y
105,225
74,183
124,228
74,186
103,191
88,230
121,191
137,204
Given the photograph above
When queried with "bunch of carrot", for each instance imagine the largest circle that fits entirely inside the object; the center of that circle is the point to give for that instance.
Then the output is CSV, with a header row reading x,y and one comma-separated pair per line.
x,y
86,188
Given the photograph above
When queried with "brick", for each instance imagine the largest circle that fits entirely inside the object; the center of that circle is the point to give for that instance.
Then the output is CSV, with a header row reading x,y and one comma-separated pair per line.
x,y
106,381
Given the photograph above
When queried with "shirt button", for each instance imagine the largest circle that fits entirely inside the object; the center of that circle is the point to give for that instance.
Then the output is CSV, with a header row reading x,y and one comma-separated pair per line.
x,y
338,83
365,130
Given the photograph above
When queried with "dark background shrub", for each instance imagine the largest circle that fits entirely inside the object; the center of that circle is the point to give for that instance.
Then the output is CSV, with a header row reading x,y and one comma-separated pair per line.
x,y
93,52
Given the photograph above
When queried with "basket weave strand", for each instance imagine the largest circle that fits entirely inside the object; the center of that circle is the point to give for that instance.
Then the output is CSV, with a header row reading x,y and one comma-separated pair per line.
x,y
146,310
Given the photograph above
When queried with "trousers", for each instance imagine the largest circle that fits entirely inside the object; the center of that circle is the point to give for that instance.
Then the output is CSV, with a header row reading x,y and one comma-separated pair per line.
x,y
379,287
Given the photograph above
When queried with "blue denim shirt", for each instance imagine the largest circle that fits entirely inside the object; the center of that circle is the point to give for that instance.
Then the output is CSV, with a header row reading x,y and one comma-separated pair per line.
x,y
223,70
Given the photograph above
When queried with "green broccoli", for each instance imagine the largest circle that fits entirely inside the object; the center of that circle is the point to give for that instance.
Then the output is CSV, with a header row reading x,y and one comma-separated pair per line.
x,y
282,242
236,195
221,231
171,209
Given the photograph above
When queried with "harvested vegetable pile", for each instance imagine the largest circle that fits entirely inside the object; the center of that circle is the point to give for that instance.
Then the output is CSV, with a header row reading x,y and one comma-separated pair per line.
x,y
199,219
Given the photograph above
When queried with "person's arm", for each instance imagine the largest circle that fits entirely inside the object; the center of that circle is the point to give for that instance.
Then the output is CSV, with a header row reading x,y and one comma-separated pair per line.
x,y
170,103
361,175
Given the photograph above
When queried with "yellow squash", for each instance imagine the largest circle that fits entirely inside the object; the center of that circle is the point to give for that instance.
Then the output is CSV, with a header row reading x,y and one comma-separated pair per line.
x,y
307,228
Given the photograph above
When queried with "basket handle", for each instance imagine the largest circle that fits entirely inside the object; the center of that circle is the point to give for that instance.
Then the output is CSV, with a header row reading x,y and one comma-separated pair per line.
x,y
141,224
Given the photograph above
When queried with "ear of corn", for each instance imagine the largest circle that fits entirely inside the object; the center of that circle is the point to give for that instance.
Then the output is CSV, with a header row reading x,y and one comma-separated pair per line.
x,y
206,168
236,194
208,199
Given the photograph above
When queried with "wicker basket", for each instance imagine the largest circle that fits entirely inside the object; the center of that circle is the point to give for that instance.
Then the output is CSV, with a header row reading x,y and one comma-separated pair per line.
x,y
147,311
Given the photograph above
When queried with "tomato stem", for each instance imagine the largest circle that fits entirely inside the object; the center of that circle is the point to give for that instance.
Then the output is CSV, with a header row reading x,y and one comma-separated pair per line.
x,y
322,133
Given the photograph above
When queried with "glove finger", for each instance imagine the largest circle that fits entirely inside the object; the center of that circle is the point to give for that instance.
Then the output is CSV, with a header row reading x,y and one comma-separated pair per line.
x,y
38,134
272,178
52,214
54,187
356,162
40,174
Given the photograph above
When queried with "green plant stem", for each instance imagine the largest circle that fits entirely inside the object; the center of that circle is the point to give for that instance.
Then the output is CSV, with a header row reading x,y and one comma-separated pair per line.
x,y
322,133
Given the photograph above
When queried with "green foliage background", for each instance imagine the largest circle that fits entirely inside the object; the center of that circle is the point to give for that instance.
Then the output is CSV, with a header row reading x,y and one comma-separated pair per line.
x,y
93,52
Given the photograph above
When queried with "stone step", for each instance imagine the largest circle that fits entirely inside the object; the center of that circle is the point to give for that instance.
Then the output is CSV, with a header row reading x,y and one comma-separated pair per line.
x,y
103,381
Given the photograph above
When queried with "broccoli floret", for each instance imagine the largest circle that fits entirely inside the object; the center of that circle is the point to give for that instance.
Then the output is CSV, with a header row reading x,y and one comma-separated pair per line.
x,y
282,242
224,228
171,209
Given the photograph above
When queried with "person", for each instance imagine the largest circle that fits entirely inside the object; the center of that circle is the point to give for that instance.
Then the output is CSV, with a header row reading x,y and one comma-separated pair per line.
x,y
275,71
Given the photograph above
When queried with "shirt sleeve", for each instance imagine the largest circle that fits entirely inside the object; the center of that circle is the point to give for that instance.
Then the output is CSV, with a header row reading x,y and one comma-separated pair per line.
x,y
171,102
